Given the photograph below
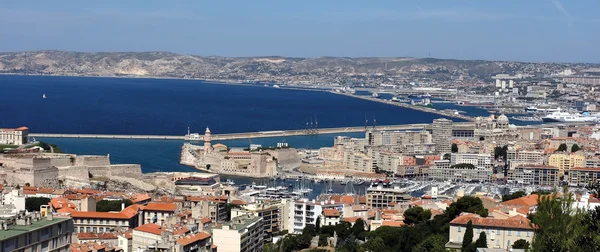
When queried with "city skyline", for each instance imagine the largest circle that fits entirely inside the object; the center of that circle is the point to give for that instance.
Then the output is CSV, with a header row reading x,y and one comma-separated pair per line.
x,y
533,31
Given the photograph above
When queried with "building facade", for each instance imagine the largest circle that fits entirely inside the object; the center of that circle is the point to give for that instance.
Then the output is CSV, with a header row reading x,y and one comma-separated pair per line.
x,y
442,135
383,197
35,233
243,234
16,136
535,175
500,233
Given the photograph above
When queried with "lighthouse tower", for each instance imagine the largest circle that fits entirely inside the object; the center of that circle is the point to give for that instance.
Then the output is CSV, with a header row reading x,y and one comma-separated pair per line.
x,y
207,145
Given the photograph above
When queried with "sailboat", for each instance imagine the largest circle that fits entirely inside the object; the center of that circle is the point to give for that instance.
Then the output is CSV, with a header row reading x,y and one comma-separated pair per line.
x,y
44,96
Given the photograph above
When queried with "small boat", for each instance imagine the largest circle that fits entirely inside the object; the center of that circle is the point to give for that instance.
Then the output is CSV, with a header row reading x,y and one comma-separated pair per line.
x,y
44,96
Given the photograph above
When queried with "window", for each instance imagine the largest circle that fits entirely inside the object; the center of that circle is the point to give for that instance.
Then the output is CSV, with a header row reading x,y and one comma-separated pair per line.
x,y
497,242
101,230
509,232
59,228
519,233
527,233
509,243
459,229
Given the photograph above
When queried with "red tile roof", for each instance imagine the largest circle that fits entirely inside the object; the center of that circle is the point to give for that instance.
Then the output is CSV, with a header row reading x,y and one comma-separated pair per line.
x,y
515,222
160,207
149,228
189,239
238,202
391,223
528,201
331,213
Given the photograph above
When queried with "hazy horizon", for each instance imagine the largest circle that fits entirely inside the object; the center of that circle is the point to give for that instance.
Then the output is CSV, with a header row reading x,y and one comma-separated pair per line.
x,y
525,31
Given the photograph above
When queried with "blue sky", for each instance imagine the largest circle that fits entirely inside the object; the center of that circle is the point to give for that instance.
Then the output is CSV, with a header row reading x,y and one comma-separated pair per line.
x,y
524,30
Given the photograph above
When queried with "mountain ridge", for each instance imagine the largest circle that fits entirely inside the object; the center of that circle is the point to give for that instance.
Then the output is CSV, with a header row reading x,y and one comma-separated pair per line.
x,y
276,68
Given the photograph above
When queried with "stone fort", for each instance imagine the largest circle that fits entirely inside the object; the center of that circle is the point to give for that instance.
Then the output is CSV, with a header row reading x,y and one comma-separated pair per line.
x,y
47,169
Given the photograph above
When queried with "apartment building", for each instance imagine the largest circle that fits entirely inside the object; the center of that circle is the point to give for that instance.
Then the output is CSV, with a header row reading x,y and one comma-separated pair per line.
x,y
581,176
446,171
271,212
98,222
442,135
243,234
385,196
524,157
535,175
566,161
34,232
213,207
156,212
358,161
304,211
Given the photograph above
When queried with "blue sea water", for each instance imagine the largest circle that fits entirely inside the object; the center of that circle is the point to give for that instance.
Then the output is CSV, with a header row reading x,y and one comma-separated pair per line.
x,y
168,106
163,155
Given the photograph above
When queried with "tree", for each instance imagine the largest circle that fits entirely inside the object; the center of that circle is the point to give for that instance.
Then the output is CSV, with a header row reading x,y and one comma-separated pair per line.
x,y
454,148
415,215
512,196
375,244
27,184
208,166
575,148
481,242
558,226
447,156
468,238
323,240
34,203
521,244
358,229
466,204
562,147
112,205
433,243
342,230
328,230
318,225
309,229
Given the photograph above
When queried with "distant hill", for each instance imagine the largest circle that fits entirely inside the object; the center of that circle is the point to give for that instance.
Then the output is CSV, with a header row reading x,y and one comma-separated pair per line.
x,y
165,64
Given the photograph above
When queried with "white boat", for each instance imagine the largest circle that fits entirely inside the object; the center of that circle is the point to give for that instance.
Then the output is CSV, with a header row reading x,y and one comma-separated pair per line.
x,y
376,95
276,86
567,117
44,96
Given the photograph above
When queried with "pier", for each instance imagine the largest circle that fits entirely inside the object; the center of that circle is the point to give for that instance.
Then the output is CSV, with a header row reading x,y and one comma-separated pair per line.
x,y
232,136
420,108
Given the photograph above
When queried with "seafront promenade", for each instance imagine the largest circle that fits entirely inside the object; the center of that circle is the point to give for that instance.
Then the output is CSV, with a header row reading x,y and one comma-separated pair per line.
x,y
231,136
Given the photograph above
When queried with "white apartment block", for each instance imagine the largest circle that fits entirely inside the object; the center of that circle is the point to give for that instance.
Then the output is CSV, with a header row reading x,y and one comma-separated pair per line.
x,y
304,211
